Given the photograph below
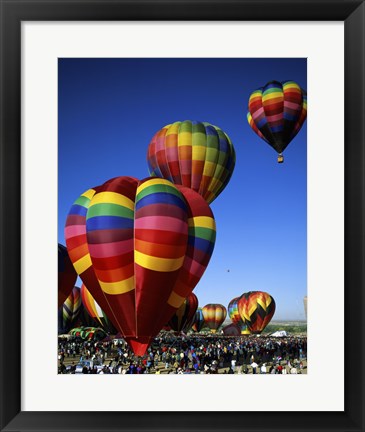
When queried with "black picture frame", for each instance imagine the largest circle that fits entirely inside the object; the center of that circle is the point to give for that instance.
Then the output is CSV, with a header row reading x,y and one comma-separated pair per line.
x,y
13,12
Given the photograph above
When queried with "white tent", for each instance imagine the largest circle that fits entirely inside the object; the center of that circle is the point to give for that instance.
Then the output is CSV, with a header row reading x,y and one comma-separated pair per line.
x,y
281,333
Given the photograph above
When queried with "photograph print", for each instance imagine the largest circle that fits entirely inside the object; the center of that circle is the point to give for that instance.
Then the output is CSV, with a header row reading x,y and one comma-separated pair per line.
x,y
182,216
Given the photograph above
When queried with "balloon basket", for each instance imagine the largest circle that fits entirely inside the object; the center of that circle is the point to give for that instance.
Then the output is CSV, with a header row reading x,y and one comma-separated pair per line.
x,y
280,158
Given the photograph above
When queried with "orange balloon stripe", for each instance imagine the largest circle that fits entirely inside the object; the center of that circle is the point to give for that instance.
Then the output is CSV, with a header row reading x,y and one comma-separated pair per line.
x,y
159,250
118,274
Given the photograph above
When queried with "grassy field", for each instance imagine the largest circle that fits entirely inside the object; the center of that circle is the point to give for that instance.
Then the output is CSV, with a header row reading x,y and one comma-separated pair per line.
x,y
291,327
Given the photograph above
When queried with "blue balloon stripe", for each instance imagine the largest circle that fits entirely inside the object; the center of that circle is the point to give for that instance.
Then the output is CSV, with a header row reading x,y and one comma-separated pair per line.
x,y
276,129
261,122
289,117
160,198
108,222
78,210
223,145
210,130
201,244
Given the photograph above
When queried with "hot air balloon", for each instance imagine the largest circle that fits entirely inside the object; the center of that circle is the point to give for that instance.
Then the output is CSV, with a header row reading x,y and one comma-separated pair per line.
x,y
69,311
66,275
256,309
94,310
88,333
140,247
236,317
214,316
276,112
183,318
231,330
197,155
198,322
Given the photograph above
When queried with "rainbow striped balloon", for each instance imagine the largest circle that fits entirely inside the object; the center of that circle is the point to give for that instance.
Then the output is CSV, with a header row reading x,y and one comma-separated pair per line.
x,y
197,155
236,317
256,309
214,316
140,247
276,112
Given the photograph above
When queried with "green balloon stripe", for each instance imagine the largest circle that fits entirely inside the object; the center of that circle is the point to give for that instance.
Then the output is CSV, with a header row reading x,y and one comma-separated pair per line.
x,y
109,209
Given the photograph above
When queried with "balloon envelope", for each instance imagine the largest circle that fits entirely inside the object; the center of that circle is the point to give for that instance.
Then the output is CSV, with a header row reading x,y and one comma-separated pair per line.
x,y
231,330
197,155
256,309
183,318
140,247
88,333
94,310
276,112
236,317
214,316
69,311
198,322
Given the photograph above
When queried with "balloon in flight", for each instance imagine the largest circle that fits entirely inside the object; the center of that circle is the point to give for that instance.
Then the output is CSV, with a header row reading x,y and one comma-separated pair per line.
x,y
194,154
276,113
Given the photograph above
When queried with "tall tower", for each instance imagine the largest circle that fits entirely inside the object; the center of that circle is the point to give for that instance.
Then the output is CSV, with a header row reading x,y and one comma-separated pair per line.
x,y
305,305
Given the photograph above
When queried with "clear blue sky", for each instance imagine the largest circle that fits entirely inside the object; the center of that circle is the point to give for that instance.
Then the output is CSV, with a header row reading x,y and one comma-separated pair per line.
x,y
109,109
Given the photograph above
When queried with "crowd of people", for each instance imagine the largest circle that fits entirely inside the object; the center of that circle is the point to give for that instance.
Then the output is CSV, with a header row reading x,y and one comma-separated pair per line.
x,y
195,354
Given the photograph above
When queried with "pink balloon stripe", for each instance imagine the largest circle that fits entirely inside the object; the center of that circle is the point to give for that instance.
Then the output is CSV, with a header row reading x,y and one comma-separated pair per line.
x,y
193,267
74,230
160,223
108,250
276,117
292,105
257,113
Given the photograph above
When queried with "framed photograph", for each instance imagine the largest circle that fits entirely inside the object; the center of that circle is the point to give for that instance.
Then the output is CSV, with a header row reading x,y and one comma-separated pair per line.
x,y
144,129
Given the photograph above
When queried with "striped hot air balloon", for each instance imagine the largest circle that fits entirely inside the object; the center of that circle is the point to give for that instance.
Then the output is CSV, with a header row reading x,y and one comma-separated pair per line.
x,y
140,247
276,112
183,318
256,309
94,310
69,311
197,155
198,322
214,316
236,317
